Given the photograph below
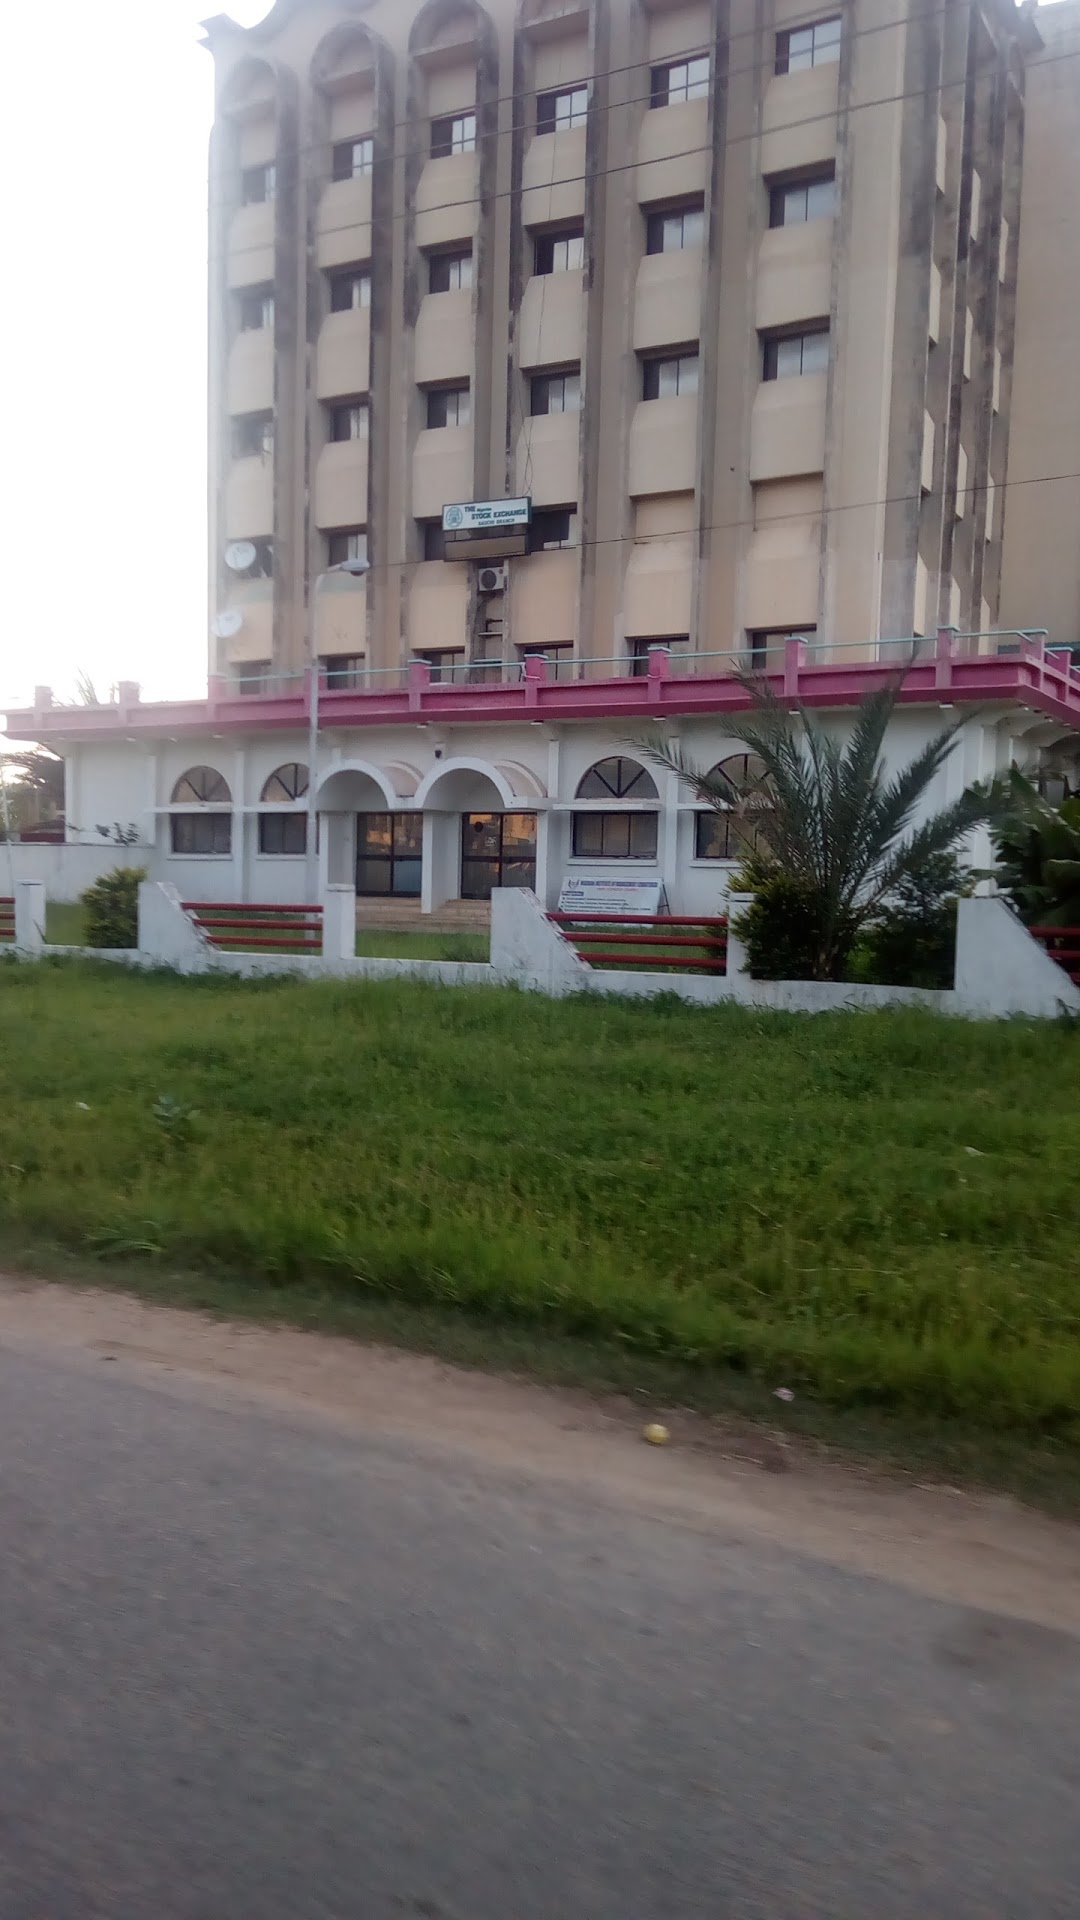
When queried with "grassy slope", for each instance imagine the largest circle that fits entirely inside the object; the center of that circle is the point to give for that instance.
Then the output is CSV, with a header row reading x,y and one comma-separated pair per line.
x,y
879,1209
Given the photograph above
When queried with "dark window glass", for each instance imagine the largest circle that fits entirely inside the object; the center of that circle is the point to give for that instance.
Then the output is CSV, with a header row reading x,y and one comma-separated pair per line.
x,y
556,392
252,676
796,201
497,850
289,782
765,648
256,309
201,832
456,133
555,112
346,543
663,378
443,661
262,566
349,420
811,46
201,784
389,849
614,836
681,80
675,228
252,435
342,669
730,832
282,833
258,185
450,272
617,779
560,251
787,355
638,651
434,540
350,289
449,407
353,159
551,528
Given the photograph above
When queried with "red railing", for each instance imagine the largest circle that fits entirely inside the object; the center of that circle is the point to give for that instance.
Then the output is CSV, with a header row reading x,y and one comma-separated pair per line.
x,y
7,916
239,926
1063,945
695,942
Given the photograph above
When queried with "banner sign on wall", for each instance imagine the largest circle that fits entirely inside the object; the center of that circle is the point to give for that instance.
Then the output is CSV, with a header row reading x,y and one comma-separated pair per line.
x,y
600,893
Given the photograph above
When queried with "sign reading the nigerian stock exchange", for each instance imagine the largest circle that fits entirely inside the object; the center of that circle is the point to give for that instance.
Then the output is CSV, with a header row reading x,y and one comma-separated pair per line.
x,y
486,516
595,893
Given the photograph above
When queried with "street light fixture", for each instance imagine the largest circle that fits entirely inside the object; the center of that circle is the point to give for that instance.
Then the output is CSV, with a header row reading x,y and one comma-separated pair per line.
x,y
356,569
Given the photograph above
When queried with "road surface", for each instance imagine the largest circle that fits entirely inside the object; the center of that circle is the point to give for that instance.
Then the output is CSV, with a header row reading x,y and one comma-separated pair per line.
x,y
265,1659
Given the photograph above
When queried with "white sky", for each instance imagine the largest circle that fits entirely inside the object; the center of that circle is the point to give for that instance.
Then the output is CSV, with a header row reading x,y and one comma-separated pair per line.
x,y
103,338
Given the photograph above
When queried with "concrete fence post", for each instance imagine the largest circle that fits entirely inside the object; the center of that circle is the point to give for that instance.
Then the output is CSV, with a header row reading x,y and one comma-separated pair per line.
x,y
338,922
738,966
166,933
29,915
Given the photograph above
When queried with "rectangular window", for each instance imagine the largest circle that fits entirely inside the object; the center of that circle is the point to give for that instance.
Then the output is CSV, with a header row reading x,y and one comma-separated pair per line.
x,y
442,660
793,353
560,251
431,533
252,434
257,185
682,80
449,407
552,528
614,836
201,832
638,651
282,833
795,201
724,836
342,670
765,647
256,309
497,850
350,289
674,228
662,378
346,543
555,112
556,392
450,272
456,133
812,46
262,566
389,851
252,676
349,420
353,159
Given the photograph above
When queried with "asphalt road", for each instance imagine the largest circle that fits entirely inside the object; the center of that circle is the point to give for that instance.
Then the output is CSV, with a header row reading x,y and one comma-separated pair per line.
x,y
253,1668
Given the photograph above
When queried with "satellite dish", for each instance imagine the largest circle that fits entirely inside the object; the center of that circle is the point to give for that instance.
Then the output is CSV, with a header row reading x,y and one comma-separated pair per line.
x,y
228,624
240,556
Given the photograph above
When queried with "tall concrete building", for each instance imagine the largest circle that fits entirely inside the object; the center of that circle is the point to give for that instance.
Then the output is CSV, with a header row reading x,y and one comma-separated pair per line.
x,y
725,288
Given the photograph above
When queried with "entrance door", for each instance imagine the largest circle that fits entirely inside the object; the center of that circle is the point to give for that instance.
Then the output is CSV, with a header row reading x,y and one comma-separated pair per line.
x,y
497,850
389,853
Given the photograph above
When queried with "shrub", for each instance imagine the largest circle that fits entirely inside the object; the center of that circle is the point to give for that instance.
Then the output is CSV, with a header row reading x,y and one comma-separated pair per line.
x,y
112,908
1038,855
912,942
784,926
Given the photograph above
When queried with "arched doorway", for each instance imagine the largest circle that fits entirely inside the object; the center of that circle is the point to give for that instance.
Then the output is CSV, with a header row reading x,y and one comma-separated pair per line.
x,y
482,834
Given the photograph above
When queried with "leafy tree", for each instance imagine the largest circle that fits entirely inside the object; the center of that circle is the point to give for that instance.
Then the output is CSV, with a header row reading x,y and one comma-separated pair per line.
x,y
1038,854
33,788
837,827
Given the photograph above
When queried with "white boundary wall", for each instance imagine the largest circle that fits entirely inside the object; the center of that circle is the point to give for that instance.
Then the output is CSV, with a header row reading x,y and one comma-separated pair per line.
x,y
1000,969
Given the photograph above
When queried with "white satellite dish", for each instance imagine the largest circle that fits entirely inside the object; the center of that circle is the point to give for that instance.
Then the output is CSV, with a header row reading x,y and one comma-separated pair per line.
x,y
228,624
240,555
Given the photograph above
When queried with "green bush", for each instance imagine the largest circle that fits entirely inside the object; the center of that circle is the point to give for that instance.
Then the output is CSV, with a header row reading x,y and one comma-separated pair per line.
x,y
912,941
784,927
112,908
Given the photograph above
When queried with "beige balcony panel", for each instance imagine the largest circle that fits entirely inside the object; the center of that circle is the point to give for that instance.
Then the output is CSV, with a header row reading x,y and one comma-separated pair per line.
x,y
663,445
341,484
343,358
798,119
441,470
794,269
551,324
258,138
658,590
352,113
926,470
447,207
553,178
341,615
444,337
251,372
677,31
547,459
787,428
783,567
922,597
451,87
250,251
544,598
438,612
249,499
667,303
562,60
344,224
253,600
673,157
933,325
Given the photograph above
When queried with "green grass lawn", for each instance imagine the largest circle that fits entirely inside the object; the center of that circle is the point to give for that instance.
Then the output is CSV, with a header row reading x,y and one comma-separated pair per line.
x,y
64,928
64,923
878,1210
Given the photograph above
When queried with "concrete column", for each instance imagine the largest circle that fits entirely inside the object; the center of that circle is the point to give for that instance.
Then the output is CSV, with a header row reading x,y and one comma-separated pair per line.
x,y
29,915
670,785
339,922
439,874
737,966
543,844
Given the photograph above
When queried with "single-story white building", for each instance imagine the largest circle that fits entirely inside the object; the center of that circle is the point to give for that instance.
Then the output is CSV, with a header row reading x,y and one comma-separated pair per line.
x,y
431,790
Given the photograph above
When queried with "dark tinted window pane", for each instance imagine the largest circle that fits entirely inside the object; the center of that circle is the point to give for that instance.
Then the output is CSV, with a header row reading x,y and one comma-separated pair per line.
x,y
282,833
480,835
408,833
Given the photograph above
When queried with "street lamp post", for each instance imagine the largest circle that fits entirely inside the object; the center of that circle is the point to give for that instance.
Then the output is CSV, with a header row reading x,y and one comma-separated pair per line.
x,y
356,568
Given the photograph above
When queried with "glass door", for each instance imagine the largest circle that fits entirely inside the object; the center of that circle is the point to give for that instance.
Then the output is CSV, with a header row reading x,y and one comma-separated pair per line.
x,y
497,850
389,850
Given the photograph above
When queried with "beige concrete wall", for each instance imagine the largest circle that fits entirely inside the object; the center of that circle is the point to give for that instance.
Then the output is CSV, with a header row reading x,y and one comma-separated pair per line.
x,y
551,324
249,500
663,446
343,354
444,337
341,484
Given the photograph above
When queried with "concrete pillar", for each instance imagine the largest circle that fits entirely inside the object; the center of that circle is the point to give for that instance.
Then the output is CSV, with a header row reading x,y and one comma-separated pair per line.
x,y
339,922
29,915
737,965
168,934
543,844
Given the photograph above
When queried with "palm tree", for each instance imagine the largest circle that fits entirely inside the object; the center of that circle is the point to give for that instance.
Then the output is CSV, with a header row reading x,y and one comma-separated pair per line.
x,y
1038,854
827,819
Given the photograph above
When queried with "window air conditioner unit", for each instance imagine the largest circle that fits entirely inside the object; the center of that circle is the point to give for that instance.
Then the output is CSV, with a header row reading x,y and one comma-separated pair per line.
x,y
492,579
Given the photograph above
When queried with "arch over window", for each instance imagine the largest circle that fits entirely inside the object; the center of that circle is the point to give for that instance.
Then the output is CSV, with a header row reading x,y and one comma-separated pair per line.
x,y
202,786
617,779
730,828
289,782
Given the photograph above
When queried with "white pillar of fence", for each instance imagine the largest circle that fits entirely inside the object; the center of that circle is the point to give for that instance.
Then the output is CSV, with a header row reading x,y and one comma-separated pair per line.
x,y
166,933
29,915
338,922
738,970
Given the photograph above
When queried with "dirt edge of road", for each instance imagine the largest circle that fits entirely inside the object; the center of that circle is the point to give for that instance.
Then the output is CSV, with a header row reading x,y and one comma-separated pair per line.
x,y
974,1549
